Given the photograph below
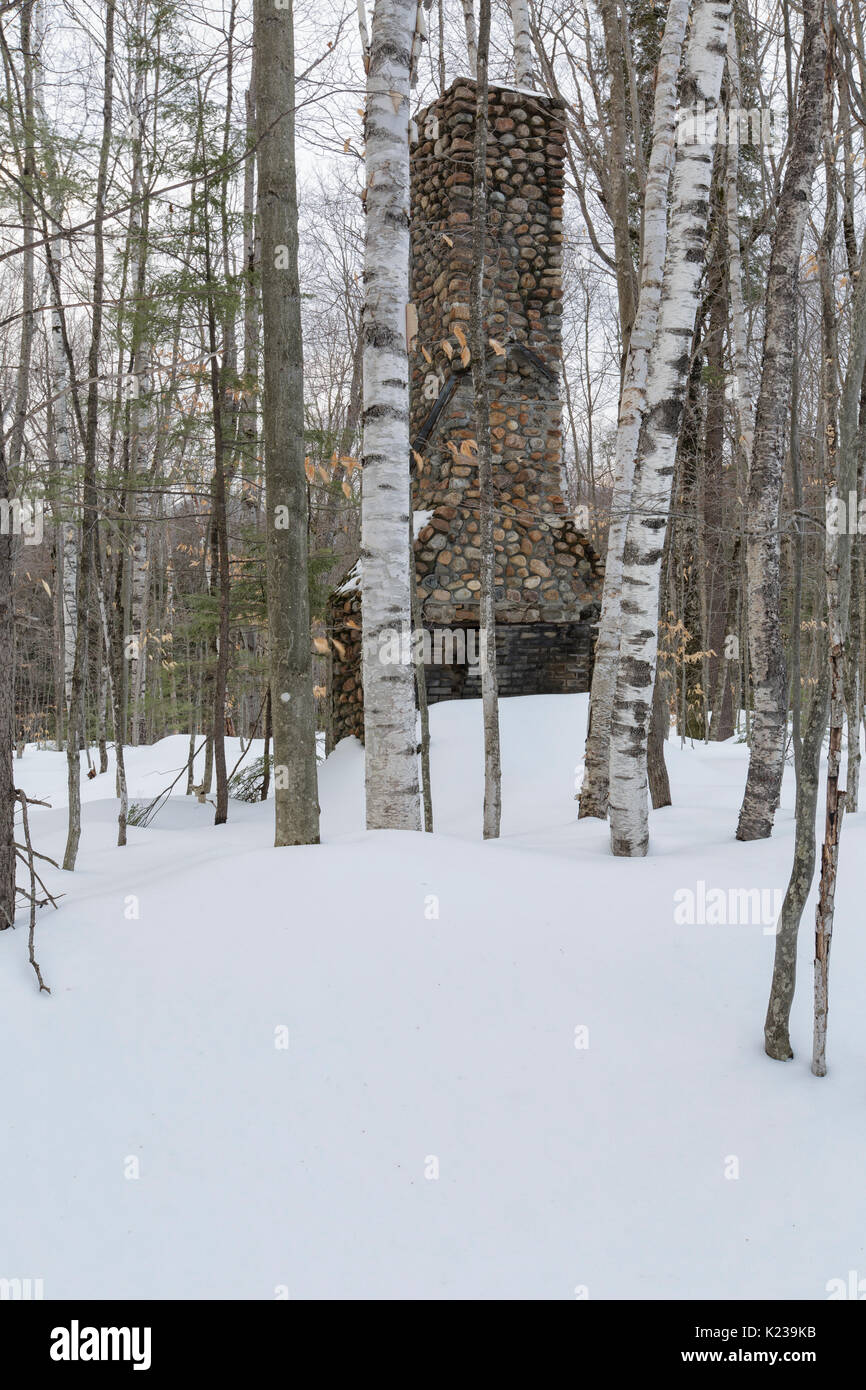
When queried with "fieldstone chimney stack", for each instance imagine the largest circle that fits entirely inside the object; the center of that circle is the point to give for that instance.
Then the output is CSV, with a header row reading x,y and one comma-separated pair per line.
x,y
548,579
542,573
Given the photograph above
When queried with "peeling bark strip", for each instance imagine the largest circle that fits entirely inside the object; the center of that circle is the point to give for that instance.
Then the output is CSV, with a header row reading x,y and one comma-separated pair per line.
x,y
594,794
296,806
657,445
763,549
389,695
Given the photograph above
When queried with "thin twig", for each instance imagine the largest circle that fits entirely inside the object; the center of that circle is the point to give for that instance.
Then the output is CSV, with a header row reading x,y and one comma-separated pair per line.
x,y
33,880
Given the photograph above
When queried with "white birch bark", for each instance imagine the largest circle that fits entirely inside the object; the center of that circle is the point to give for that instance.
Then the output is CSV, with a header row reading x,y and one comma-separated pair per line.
x,y
68,550
524,74
140,444
654,468
594,794
365,33
744,406
471,36
139,586
392,788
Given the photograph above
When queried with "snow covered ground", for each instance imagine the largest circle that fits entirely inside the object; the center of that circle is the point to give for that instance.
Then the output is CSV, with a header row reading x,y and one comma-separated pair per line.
x,y
414,1066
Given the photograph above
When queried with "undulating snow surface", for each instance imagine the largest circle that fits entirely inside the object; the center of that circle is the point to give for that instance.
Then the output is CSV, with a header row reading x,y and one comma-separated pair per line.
x,y
421,1042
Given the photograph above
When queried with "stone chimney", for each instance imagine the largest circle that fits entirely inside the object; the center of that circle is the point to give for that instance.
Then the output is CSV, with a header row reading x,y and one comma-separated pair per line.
x,y
546,571
548,578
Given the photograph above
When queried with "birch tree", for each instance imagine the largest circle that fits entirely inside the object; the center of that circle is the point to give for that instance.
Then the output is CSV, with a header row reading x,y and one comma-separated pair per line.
x,y
739,338
471,36
141,425
392,789
763,545
67,558
524,71
594,793
665,397
292,703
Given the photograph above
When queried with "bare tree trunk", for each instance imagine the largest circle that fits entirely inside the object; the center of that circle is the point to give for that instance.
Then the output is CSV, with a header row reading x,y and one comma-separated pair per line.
x,y
487,500
763,550
797,598
421,693
739,338
776,1028
248,431
293,710
777,1041
266,758
825,910
666,391
471,36
618,174
835,799
524,72
28,220
440,15
721,689
389,694
89,488
657,773
67,549
123,814
595,790
141,428
7,711
220,536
